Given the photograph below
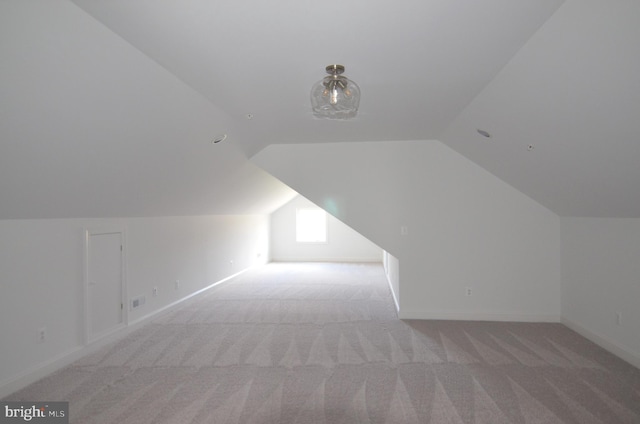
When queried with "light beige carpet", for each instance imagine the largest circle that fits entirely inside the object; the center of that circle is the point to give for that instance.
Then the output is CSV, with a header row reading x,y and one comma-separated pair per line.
x,y
320,343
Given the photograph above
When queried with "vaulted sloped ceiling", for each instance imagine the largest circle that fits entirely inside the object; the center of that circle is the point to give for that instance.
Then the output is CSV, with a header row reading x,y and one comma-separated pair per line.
x,y
572,93
91,127
108,107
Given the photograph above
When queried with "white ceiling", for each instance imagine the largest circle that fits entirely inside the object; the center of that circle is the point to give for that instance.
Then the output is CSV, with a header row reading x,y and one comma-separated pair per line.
x,y
108,108
418,62
573,93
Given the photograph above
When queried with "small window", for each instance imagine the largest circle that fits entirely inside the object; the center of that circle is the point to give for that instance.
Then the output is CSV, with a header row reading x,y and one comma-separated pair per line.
x,y
311,226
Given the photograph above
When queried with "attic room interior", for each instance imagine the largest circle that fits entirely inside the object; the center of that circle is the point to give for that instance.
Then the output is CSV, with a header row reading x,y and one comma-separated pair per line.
x,y
491,167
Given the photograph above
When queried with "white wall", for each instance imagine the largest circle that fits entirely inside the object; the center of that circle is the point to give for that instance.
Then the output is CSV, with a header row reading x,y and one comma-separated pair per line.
x,y
601,277
466,228
343,243
41,275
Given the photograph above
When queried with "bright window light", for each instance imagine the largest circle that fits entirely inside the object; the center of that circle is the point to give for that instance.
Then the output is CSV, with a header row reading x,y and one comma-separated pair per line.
x,y
311,226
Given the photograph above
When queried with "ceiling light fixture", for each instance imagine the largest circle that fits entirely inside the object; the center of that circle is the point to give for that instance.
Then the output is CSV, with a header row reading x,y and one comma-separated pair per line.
x,y
335,96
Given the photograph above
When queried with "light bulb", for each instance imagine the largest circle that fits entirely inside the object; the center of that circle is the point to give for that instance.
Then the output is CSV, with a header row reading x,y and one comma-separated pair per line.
x,y
334,96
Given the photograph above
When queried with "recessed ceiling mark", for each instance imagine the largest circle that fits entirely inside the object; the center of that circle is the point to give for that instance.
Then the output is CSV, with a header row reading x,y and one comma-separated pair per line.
x,y
219,138
530,147
249,116
484,133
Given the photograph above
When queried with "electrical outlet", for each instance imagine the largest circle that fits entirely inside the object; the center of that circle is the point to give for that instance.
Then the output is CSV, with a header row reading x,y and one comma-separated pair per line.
x,y
618,318
155,291
468,291
177,284
42,334
138,301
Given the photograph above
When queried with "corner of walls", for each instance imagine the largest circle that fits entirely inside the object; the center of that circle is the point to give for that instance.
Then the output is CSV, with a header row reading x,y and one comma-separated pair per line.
x,y
600,283
392,271
607,343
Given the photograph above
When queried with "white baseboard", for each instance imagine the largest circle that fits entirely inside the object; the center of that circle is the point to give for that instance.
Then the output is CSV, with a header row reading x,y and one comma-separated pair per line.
x,y
336,260
480,316
179,301
43,369
393,294
621,352
39,371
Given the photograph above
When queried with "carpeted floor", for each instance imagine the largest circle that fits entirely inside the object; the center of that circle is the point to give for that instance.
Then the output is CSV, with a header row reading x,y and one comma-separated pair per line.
x,y
320,343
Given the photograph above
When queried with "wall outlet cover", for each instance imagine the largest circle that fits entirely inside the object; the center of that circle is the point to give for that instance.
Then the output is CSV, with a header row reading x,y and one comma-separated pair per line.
x,y
137,302
42,334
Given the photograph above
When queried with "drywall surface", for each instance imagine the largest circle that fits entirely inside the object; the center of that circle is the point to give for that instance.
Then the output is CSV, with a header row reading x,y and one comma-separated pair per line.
x,y
601,279
42,276
343,243
463,227
124,136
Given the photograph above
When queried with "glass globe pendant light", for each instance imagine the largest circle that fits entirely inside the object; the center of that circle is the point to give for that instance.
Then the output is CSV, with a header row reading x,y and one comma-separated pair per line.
x,y
335,96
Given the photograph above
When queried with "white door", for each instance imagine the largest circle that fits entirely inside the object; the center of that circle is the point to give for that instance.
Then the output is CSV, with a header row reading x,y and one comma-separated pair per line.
x,y
105,283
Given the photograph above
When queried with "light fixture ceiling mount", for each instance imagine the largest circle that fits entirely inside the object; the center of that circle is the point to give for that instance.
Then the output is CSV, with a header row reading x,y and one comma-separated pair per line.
x,y
335,96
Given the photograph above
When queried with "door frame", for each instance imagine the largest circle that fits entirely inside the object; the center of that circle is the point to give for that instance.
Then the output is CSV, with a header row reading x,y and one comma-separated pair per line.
x,y
88,232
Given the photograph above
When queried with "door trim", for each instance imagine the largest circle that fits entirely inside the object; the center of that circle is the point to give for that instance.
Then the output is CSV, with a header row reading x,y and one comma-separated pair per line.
x,y
88,232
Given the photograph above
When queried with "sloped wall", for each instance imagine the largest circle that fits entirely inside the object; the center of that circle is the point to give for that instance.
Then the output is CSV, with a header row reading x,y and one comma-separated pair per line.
x,y
465,228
